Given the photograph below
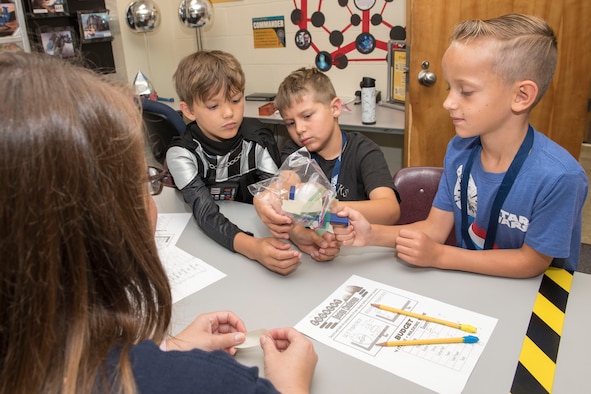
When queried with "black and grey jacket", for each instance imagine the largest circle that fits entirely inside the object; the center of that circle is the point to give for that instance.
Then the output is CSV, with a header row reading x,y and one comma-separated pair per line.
x,y
206,171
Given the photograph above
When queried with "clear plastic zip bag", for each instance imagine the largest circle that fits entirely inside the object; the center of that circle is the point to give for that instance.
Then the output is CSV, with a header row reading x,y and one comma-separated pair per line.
x,y
300,190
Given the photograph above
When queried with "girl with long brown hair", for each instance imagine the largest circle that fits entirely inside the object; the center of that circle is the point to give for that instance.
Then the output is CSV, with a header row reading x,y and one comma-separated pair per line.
x,y
85,303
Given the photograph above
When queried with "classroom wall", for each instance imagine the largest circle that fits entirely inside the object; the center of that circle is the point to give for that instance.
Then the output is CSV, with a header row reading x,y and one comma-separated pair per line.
x,y
158,52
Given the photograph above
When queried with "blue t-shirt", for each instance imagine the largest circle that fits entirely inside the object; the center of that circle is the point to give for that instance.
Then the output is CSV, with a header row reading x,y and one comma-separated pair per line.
x,y
543,208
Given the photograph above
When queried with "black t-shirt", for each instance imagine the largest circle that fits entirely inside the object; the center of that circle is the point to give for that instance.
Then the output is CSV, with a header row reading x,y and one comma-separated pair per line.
x,y
363,168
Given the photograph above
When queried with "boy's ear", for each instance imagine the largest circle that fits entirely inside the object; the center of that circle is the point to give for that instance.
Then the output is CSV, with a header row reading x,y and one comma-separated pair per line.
x,y
336,106
525,95
186,110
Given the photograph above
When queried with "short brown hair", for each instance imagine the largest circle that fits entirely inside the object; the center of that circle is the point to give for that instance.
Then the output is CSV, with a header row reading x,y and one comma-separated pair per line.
x,y
204,74
527,47
304,81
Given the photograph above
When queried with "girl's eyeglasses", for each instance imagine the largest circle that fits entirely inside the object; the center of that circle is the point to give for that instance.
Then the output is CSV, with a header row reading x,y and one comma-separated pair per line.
x,y
157,179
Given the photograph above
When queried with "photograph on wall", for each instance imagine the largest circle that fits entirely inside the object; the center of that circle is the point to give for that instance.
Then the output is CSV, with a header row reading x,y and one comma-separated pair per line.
x,y
58,41
94,26
8,22
48,7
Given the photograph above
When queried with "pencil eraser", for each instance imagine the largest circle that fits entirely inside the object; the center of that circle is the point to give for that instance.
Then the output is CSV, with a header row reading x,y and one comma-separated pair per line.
x,y
334,219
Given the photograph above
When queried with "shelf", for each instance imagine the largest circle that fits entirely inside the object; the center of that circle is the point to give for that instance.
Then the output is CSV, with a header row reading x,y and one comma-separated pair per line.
x,y
97,55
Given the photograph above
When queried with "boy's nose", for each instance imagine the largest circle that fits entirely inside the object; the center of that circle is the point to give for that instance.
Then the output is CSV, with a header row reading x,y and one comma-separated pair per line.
x,y
299,127
448,103
228,111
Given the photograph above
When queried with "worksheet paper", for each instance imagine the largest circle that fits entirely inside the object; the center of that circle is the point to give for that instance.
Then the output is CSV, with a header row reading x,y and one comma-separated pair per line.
x,y
169,227
187,274
346,321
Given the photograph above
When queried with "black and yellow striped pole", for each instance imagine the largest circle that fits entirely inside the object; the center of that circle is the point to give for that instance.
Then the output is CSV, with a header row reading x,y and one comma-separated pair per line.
x,y
537,361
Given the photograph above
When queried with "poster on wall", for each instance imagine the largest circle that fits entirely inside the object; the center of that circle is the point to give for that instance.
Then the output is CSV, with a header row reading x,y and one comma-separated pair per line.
x,y
399,75
268,32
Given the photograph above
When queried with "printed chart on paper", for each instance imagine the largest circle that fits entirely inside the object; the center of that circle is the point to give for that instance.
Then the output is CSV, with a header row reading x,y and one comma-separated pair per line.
x,y
347,321
187,274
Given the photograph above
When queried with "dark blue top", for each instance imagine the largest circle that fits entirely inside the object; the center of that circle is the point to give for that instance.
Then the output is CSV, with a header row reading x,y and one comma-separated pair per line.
x,y
194,371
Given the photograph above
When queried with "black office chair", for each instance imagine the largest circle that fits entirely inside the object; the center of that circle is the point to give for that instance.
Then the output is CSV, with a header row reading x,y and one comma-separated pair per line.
x,y
162,123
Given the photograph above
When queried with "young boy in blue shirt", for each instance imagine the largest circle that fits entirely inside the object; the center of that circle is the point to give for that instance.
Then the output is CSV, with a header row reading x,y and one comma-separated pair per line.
x,y
514,196
220,154
355,165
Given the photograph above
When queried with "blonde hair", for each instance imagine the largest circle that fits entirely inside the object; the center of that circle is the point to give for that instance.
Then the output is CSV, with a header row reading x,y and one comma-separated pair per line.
x,y
204,74
526,47
301,82
80,272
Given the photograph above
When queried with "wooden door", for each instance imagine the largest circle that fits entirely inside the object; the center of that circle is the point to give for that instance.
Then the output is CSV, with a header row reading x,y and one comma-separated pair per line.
x,y
561,114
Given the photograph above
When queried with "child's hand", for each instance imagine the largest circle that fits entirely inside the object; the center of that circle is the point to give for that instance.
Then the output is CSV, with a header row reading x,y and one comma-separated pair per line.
x,y
210,331
270,213
357,233
319,247
290,360
276,255
335,206
416,248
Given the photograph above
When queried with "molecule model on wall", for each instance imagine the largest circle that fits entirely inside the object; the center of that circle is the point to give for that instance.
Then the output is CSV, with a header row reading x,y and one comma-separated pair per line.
x,y
365,43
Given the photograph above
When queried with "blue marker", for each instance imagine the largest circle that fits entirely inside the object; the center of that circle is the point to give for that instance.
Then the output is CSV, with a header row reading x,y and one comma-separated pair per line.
x,y
334,219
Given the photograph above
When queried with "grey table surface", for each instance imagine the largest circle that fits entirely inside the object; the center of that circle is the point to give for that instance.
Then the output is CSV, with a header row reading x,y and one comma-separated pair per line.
x,y
264,299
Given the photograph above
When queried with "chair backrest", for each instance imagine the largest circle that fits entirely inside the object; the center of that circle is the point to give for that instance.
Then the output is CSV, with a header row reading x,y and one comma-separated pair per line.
x,y
417,187
162,123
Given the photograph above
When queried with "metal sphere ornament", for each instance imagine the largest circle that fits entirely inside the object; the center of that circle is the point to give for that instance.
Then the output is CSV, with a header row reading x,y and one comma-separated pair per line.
x,y
195,13
143,16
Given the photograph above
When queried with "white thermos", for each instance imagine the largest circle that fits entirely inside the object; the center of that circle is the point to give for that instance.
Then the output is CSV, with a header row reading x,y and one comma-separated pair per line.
x,y
368,100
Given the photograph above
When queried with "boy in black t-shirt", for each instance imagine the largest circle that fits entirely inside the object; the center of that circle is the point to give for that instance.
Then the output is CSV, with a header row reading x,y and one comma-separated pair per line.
x,y
354,164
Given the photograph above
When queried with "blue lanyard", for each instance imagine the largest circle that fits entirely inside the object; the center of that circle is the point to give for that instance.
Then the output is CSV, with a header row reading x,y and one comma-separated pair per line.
x,y
506,184
336,170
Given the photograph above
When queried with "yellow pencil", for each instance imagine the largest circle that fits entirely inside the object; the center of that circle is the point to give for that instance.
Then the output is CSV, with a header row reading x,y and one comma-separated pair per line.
x,y
463,327
432,341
